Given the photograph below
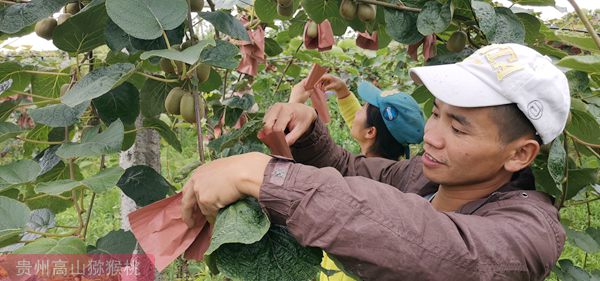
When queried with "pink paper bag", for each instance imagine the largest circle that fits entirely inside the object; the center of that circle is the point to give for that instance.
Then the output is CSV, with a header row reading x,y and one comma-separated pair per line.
x,y
367,41
324,40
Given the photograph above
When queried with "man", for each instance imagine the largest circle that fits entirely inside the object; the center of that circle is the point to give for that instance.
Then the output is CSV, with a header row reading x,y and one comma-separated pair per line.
x,y
466,210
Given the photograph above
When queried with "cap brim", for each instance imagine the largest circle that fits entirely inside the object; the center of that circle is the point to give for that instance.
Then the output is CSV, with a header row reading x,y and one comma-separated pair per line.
x,y
456,86
369,92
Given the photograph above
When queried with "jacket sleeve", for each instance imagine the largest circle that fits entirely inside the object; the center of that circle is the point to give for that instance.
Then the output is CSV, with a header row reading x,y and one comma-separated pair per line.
x,y
316,148
380,233
349,105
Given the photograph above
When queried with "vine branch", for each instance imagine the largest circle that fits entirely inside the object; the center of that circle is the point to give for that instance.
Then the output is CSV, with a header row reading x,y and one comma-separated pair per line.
x,y
586,23
400,7
286,68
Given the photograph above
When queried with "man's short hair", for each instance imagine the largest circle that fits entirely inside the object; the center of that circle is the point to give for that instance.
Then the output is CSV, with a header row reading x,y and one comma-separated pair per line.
x,y
512,123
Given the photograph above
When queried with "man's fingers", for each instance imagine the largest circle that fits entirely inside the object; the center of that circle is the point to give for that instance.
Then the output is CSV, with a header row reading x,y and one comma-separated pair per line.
x,y
295,134
270,117
282,121
188,204
209,212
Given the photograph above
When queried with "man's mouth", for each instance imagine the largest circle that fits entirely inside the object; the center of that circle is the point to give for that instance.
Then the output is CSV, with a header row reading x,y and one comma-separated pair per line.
x,y
432,159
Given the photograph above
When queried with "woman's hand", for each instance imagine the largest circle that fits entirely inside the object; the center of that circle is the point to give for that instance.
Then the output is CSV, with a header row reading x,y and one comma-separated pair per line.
x,y
336,84
299,94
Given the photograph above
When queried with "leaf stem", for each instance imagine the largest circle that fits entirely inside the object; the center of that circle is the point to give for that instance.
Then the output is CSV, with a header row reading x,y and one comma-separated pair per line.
x,y
36,96
400,7
46,73
583,142
47,234
586,22
157,78
38,141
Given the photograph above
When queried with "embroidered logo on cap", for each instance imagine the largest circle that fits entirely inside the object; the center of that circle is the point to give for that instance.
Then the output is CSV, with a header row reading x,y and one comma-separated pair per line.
x,y
390,113
535,109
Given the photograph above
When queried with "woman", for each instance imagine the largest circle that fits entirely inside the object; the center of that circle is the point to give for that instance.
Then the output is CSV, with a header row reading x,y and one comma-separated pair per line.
x,y
383,127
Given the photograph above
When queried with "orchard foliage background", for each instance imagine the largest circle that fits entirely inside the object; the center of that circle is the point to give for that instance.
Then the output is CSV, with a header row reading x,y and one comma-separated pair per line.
x,y
119,60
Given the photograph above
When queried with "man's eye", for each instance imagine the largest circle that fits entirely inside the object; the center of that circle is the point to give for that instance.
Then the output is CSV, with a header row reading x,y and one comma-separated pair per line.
x,y
457,131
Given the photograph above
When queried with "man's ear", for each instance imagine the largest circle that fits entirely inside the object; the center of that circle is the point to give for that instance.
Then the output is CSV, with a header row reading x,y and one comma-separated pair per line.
x,y
524,152
371,133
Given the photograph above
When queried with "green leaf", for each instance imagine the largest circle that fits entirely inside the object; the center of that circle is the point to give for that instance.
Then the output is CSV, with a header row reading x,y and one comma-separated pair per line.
x,y
98,82
228,140
147,19
117,39
584,127
15,72
58,115
226,23
579,179
266,10
569,272
67,245
509,28
272,48
104,180
122,102
116,242
83,31
224,55
14,214
10,237
579,83
578,40
421,94
241,222
214,82
144,185
556,161
8,131
244,102
21,171
534,2
434,18
319,10
94,143
486,16
276,257
152,97
164,131
189,55
40,220
402,26
18,16
48,84
57,187
585,63
7,107
532,28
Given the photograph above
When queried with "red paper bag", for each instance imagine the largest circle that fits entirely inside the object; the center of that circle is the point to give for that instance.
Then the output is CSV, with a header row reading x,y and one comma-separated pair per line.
x,y
324,40
162,233
367,41
276,143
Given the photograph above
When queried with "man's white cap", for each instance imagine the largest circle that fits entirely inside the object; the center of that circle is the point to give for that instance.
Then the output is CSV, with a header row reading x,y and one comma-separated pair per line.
x,y
503,74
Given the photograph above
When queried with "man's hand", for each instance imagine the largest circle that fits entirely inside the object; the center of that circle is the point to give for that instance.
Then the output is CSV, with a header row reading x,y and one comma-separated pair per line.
x,y
336,84
221,182
299,94
295,117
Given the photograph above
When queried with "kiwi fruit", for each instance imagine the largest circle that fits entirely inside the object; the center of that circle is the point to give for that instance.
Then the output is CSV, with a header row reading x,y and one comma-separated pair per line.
x,y
285,11
457,41
202,72
187,108
196,5
366,12
173,100
62,18
348,9
312,31
45,28
72,8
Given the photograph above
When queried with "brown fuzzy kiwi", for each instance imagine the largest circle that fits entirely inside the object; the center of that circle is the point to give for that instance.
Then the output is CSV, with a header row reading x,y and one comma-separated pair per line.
x,y
62,18
196,5
348,9
45,28
72,8
285,11
457,41
173,100
366,12
187,108
312,31
203,72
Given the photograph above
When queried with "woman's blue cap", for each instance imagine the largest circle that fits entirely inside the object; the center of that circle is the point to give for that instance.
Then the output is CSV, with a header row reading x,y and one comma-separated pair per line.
x,y
400,112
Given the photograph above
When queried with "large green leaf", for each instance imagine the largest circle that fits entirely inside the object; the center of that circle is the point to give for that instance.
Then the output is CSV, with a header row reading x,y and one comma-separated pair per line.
x,y
532,29
94,143
272,48
224,55
18,16
58,115
266,10
98,82
509,28
585,63
40,220
7,107
534,2
104,180
434,18
14,214
20,171
152,97
556,161
144,185
578,179
67,245
115,242
117,39
189,55
578,40
226,23
147,19
48,84
122,102
15,73
486,17
57,187
567,271
228,140
319,10
276,257
402,26
164,131
83,31
242,222
8,130
584,127
10,237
